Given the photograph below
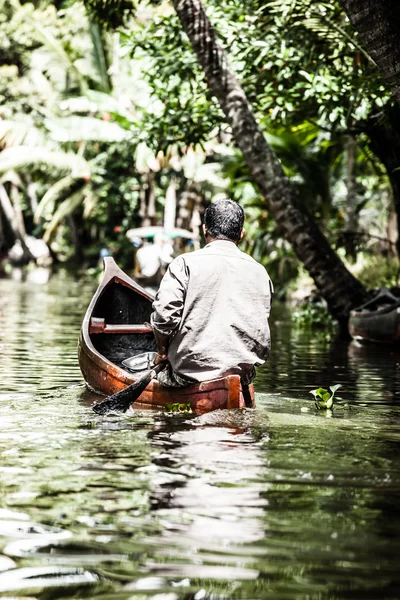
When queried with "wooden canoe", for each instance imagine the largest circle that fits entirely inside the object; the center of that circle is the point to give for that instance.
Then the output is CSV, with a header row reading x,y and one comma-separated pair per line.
x,y
378,320
114,328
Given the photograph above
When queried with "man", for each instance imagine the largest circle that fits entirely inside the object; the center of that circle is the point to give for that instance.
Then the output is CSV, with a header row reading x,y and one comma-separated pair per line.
x,y
153,259
211,311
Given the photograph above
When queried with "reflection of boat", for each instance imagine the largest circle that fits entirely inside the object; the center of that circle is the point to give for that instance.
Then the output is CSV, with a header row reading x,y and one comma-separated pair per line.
x,y
378,320
115,328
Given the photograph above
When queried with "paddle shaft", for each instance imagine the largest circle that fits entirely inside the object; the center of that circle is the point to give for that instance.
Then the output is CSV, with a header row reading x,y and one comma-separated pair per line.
x,y
120,401
247,395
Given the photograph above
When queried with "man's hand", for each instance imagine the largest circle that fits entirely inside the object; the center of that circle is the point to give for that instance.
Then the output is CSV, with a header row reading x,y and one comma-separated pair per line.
x,y
162,342
160,358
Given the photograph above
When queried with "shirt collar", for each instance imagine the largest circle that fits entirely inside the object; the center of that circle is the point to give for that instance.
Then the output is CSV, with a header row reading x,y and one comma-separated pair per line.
x,y
227,244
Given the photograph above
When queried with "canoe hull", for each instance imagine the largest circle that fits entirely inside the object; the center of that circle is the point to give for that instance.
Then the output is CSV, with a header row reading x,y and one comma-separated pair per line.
x,y
378,320
104,376
375,327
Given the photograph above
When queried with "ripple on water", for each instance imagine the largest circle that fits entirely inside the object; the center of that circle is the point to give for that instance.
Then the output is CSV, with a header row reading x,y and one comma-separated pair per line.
x,y
36,579
27,529
281,502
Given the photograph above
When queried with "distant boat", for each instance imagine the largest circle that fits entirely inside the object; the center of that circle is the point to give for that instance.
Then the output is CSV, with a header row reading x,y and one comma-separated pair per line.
x,y
115,329
378,320
153,230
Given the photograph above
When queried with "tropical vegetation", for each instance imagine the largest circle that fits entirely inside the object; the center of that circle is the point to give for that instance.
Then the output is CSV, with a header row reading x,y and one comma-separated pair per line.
x,y
124,114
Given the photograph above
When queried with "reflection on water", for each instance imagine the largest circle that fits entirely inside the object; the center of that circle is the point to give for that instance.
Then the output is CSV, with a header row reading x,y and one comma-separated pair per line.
x,y
281,502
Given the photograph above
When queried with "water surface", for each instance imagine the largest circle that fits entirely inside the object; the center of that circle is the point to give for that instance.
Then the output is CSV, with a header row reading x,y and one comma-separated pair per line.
x,y
281,502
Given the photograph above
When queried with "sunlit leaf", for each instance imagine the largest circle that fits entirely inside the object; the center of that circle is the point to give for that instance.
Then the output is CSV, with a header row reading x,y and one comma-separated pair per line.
x,y
323,398
75,129
21,156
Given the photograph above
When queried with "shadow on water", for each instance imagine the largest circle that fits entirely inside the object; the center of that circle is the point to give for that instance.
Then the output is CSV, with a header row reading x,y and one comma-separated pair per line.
x,y
281,502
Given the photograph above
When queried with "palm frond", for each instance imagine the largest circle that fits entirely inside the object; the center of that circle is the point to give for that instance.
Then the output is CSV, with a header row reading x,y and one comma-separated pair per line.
x,y
76,128
319,18
18,133
19,157
97,102
62,188
65,208
24,12
100,55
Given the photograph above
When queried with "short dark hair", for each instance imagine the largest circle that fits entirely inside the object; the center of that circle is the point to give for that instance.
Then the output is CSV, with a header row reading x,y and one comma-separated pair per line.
x,y
224,220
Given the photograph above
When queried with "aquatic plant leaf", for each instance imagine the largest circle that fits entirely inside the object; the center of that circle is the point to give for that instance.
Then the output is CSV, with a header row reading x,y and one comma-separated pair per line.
x,y
177,407
323,397
321,393
333,388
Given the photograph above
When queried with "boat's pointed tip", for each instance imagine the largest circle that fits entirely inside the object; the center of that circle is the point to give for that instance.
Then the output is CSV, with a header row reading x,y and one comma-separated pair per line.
x,y
108,260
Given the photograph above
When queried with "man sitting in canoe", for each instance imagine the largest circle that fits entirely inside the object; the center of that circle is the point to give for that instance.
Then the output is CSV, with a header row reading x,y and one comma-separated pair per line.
x,y
211,311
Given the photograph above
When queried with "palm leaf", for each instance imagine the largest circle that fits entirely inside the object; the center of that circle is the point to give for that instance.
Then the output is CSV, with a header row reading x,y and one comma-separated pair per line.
x,y
59,190
18,133
93,101
75,129
52,44
65,208
22,156
100,55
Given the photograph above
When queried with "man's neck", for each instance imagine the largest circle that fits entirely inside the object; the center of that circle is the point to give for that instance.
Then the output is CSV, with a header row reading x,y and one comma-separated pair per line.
x,y
210,239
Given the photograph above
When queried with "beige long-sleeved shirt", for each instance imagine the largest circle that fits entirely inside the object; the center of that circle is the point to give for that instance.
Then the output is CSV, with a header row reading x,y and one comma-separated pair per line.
x,y
215,304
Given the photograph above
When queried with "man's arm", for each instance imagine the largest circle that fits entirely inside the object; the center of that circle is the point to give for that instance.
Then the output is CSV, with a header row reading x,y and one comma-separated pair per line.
x,y
168,306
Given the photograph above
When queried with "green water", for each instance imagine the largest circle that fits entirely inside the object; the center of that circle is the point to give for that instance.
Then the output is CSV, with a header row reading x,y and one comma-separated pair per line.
x,y
283,502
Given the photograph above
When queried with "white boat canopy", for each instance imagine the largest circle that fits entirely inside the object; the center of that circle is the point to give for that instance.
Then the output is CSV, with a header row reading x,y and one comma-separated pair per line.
x,y
153,230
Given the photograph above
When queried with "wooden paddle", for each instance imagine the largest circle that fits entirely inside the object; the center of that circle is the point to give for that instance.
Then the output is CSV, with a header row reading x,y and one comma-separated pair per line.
x,y
246,395
124,398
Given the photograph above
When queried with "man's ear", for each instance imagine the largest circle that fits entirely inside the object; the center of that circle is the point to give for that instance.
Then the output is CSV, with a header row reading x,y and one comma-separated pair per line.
x,y
242,234
204,230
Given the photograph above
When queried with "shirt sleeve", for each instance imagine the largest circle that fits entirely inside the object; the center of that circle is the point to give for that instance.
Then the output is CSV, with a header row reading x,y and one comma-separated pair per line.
x,y
271,294
170,298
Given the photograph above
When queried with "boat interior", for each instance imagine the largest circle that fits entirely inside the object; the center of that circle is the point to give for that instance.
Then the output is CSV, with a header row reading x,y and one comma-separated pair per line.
x,y
117,327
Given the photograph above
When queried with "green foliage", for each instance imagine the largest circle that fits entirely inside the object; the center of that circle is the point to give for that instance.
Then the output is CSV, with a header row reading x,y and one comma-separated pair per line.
x,y
309,82
78,104
312,314
182,111
111,14
324,398
379,271
177,407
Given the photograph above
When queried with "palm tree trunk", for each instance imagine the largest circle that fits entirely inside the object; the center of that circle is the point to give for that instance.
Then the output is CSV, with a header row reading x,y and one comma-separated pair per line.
x,y
78,250
170,205
378,24
16,201
31,193
351,198
1,233
340,289
12,219
383,130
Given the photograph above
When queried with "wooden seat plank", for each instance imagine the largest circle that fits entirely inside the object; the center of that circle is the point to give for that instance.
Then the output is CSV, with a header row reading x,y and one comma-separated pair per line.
x,y
98,325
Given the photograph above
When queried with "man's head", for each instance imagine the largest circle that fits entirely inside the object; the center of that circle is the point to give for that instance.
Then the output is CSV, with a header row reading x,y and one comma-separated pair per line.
x,y
223,220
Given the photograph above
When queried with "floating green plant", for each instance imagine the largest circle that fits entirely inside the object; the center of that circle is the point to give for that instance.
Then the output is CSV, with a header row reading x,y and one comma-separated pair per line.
x,y
324,398
177,407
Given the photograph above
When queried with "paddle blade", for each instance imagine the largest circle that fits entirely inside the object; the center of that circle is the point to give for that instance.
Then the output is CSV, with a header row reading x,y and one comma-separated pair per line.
x,y
123,399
